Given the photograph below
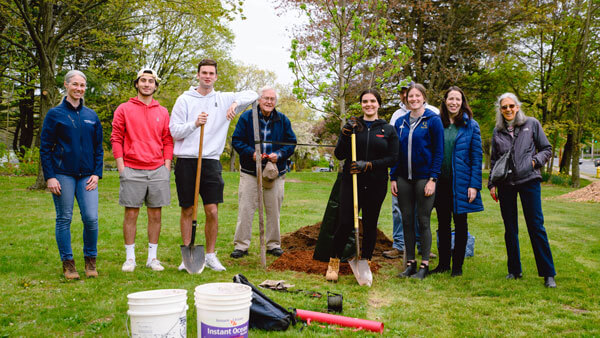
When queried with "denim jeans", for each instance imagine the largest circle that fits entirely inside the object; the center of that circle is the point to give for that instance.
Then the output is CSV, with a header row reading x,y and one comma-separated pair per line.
x,y
398,231
530,193
71,188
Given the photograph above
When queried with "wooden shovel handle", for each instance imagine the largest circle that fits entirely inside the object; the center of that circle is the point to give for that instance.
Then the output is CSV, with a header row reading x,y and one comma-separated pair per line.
x,y
198,171
355,195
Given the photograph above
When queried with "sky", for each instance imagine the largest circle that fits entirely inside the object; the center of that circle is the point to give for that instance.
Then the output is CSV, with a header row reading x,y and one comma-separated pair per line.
x,y
262,39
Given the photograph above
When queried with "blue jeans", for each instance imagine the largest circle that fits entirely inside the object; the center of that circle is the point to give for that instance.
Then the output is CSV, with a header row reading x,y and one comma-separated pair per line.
x,y
531,202
398,230
71,188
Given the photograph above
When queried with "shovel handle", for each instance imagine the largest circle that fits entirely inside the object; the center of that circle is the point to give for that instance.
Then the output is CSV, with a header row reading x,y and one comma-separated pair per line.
x,y
355,194
198,172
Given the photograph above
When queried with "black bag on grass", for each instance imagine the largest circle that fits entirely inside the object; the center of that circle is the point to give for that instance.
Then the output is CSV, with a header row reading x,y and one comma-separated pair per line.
x,y
265,314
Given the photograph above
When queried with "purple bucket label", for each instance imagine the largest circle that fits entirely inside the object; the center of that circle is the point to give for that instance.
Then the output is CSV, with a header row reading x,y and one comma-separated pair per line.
x,y
222,332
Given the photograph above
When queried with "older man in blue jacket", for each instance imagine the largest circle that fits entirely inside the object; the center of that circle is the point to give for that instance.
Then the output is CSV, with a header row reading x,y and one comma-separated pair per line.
x,y
273,127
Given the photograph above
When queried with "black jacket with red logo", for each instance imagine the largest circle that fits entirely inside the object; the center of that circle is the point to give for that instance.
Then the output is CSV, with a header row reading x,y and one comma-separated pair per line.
x,y
377,144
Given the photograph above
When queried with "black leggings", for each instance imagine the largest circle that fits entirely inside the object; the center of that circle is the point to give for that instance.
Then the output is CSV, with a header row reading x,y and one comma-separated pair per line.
x,y
371,193
444,206
411,192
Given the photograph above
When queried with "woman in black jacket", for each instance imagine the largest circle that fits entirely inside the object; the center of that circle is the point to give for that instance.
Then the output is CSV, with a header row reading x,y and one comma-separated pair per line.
x,y
376,151
524,137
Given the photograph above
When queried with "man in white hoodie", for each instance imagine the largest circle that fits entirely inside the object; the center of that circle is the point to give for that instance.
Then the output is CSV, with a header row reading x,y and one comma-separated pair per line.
x,y
203,106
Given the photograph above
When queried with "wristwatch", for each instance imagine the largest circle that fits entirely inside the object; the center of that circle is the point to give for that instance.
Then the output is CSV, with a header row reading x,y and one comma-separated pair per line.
x,y
433,179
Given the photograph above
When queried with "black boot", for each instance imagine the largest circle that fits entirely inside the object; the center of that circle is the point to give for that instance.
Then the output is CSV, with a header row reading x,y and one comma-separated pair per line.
x,y
456,272
411,269
440,269
423,271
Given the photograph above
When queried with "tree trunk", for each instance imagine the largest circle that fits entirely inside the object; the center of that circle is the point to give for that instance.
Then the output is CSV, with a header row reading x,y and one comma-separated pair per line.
x,y
232,159
575,165
487,150
565,161
47,100
550,164
23,137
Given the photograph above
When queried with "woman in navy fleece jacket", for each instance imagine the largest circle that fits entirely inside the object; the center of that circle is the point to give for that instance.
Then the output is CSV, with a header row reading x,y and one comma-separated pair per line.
x,y
71,154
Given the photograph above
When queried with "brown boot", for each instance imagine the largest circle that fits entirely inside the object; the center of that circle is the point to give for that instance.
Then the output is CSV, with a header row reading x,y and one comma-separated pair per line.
x,y
69,269
332,270
90,267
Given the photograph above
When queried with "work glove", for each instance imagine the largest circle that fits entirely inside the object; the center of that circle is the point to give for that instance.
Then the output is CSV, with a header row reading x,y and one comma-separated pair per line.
x,y
351,124
357,167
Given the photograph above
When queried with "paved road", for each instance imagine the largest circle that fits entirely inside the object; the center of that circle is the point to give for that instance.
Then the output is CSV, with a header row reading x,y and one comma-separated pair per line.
x,y
586,167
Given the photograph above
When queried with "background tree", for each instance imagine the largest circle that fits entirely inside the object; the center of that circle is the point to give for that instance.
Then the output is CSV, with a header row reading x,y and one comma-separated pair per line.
x,y
449,39
344,47
111,39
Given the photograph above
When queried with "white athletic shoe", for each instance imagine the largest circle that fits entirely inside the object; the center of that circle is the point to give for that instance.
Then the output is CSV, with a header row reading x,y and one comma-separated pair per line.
x,y
128,266
181,267
213,262
154,264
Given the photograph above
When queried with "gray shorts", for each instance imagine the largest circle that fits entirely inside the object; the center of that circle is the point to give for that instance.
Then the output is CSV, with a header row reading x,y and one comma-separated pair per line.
x,y
150,186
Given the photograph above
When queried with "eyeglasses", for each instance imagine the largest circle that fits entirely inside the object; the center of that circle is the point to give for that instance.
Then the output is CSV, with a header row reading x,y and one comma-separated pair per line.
x,y
506,106
272,99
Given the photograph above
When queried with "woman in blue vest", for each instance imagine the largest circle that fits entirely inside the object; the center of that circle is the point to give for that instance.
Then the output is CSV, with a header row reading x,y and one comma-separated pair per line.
x,y
71,155
459,185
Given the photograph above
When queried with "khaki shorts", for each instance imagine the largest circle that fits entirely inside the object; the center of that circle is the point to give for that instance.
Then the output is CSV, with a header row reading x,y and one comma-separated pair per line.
x,y
150,186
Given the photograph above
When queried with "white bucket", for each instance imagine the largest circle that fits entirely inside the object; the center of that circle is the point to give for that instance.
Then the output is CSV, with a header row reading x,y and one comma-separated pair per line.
x,y
223,309
158,313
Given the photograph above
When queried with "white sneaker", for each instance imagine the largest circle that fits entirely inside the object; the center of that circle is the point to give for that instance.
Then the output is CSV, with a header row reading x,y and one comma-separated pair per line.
x,y
213,262
181,267
128,266
154,264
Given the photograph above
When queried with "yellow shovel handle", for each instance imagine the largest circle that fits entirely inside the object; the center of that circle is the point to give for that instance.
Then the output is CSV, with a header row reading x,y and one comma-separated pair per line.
x,y
355,193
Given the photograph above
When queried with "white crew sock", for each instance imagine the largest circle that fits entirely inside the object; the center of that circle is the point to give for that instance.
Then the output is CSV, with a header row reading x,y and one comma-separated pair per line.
x,y
152,251
130,251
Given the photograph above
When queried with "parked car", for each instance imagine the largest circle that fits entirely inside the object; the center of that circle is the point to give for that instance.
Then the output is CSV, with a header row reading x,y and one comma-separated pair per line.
x,y
597,162
321,169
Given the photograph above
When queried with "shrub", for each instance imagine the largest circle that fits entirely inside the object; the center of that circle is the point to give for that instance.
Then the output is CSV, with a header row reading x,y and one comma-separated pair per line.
x,y
28,162
561,179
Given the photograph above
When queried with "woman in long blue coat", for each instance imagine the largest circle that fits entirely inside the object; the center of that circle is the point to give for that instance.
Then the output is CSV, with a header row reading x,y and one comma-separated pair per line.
x,y
459,185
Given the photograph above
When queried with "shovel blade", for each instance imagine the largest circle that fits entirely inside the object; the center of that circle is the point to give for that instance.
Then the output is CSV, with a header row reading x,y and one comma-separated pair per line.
x,y
193,258
361,271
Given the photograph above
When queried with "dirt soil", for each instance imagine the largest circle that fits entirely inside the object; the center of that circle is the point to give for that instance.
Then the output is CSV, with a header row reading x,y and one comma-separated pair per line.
x,y
590,193
300,245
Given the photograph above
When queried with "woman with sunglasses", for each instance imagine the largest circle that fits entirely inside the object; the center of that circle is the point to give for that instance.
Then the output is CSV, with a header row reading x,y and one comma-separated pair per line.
x,y
457,191
524,137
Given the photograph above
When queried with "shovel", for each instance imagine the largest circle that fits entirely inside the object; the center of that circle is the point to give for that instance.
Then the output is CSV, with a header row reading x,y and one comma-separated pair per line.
x,y
360,267
193,256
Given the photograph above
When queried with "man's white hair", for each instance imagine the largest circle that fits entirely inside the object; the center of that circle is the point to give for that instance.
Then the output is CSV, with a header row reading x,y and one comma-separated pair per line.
x,y
264,89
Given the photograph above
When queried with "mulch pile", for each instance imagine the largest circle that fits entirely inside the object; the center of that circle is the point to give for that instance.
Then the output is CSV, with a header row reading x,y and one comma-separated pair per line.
x,y
300,245
590,193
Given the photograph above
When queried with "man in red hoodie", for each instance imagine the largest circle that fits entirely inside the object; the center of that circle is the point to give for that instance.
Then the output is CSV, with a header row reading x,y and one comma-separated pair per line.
x,y
143,148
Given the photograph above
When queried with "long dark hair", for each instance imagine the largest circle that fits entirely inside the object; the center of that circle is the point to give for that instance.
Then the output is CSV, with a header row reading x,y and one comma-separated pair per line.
x,y
464,108
370,91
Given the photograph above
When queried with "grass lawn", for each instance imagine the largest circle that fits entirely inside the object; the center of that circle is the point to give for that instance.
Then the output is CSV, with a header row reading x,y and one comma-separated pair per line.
x,y
37,301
